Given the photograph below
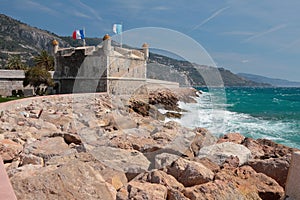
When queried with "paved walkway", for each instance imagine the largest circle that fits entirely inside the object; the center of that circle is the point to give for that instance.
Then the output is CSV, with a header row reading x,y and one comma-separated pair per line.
x,y
6,190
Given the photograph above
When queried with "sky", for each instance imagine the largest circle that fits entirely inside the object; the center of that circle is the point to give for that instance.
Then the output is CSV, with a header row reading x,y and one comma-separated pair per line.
x,y
259,36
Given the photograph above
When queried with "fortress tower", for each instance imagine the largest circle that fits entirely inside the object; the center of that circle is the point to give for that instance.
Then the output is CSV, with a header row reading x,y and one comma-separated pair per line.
x,y
104,68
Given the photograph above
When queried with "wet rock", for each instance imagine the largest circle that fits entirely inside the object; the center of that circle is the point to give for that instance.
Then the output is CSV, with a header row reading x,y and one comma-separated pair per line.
x,y
173,115
9,149
140,107
218,153
164,99
190,173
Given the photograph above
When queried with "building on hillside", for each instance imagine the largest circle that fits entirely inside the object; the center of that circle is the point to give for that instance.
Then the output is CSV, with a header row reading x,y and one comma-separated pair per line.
x,y
103,68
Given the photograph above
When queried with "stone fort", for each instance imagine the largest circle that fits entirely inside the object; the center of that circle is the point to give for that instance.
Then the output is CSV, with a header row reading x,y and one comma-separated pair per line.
x,y
103,68
89,69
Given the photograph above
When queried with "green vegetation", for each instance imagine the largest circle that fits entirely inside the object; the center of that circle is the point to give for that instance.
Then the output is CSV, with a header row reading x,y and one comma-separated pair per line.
x,y
44,60
37,76
15,62
2,99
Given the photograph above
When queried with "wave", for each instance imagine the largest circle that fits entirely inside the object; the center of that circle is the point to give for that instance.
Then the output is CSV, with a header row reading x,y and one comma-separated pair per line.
x,y
218,120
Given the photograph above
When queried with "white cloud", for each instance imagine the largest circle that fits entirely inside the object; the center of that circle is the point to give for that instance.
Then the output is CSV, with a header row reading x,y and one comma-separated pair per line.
x,y
161,8
85,11
241,33
215,14
271,30
29,4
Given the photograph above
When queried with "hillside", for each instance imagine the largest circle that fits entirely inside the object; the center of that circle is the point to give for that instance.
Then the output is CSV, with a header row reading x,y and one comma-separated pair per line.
x,y
17,38
273,81
193,72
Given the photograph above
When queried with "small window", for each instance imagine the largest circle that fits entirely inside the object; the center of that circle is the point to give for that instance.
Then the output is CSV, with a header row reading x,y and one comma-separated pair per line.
x,y
118,69
128,69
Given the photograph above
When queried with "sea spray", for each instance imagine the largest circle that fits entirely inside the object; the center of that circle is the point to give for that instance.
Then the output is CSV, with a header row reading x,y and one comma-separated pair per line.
x,y
271,113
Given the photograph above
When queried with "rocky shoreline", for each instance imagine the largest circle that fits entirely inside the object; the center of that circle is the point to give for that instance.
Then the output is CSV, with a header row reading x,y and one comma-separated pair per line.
x,y
96,146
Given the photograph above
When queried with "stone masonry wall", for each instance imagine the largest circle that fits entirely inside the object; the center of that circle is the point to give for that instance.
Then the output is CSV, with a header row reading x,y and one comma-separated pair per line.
x,y
7,86
126,67
82,73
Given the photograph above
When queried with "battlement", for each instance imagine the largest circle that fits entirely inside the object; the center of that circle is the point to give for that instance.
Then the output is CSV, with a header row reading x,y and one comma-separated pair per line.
x,y
103,68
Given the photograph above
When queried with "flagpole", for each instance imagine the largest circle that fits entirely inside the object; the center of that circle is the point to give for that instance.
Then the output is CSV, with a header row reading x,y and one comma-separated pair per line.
x,y
84,36
121,33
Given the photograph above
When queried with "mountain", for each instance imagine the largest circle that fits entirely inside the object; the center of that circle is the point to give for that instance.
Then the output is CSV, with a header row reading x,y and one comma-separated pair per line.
x,y
191,72
17,38
272,81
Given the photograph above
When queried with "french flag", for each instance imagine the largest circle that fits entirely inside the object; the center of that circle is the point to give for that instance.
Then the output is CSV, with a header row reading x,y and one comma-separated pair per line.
x,y
78,34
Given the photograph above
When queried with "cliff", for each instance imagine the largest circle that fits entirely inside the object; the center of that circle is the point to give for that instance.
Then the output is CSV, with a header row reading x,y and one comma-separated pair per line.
x,y
17,38
95,146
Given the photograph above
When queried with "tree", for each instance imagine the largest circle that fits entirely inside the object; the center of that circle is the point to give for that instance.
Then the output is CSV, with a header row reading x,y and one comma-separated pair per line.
x,y
37,76
15,62
44,60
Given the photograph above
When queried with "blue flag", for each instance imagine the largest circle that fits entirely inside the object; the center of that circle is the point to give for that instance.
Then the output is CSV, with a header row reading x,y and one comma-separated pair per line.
x,y
117,28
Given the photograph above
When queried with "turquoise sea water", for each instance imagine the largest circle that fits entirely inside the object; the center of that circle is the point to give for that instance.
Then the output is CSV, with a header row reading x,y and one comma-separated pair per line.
x,y
272,113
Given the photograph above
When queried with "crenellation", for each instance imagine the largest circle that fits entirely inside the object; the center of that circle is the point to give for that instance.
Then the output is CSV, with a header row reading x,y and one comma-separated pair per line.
x,y
101,69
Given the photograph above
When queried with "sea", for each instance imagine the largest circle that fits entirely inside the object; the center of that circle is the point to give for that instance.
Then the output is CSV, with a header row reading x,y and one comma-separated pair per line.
x,y
270,113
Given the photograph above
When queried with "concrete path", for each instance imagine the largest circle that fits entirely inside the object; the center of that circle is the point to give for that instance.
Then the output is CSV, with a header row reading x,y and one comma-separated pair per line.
x,y
6,190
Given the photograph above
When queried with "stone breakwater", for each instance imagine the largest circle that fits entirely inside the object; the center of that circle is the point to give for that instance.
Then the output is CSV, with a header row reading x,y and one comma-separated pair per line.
x,y
96,146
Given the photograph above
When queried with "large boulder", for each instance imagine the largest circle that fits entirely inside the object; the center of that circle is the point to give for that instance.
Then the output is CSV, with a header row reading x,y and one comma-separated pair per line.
x,y
232,137
9,149
190,173
128,161
252,184
202,138
218,153
72,180
272,167
164,98
116,178
47,147
160,177
220,190
138,190
241,183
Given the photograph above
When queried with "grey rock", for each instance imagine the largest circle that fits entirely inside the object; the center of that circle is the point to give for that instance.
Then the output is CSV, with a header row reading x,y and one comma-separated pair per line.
x,y
218,153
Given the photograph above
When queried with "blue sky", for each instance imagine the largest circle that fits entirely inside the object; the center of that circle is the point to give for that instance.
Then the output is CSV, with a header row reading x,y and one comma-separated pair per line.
x,y
258,36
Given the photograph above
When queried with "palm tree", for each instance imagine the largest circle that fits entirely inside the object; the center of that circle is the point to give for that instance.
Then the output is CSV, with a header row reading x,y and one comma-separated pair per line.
x,y
15,62
36,76
44,60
